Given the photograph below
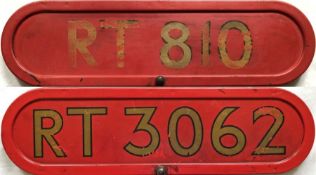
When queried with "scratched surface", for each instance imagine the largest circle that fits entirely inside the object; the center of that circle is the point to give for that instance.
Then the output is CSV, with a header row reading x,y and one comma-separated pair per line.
x,y
145,128
134,47
109,44
8,79
9,94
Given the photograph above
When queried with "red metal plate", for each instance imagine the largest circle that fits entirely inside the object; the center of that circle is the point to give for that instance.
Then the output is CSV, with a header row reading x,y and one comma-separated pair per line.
x,y
134,42
134,131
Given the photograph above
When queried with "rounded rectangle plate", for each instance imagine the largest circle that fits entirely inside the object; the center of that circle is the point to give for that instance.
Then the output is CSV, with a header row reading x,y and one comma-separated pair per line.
x,y
148,43
147,131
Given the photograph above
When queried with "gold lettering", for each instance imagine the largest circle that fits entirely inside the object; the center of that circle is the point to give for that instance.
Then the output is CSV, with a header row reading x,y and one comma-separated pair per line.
x,y
219,130
81,44
222,39
41,133
146,126
206,43
87,113
264,147
198,131
171,42
120,26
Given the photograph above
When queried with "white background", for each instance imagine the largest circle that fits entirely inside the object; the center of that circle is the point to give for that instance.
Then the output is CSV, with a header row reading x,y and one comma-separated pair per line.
x,y
8,94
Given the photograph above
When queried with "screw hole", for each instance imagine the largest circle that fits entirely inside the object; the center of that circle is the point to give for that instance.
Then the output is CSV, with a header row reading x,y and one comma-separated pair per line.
x,y
161,170
160,81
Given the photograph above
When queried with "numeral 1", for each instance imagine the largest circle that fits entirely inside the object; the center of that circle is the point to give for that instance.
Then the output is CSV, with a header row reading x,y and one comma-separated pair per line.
x,y
205,45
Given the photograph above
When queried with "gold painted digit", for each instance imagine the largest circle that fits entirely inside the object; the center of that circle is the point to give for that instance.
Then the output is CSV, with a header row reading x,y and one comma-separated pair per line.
x,y
198,131
263,148
171,42
146,126
222,39
206,43
219,131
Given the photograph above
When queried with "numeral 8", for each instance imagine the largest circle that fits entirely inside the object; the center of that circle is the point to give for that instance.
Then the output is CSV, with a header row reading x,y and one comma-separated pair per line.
x,y
206,43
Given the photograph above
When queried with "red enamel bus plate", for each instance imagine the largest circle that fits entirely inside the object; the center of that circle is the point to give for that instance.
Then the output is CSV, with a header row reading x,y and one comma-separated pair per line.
x,y
135,42
141,131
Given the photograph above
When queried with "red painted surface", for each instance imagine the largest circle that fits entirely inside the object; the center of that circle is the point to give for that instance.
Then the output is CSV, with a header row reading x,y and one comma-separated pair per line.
x,y
111,132
35,43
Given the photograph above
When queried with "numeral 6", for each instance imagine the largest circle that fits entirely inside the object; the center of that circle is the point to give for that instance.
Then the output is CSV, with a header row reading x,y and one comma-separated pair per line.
x,y
219,130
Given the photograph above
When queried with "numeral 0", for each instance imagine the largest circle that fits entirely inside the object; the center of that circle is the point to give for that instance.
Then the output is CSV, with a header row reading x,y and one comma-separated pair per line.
x,y
218,131
206,43
198,131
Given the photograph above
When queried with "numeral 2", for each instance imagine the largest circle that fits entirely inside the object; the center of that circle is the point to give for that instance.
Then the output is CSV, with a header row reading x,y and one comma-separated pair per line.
x,y
218,131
